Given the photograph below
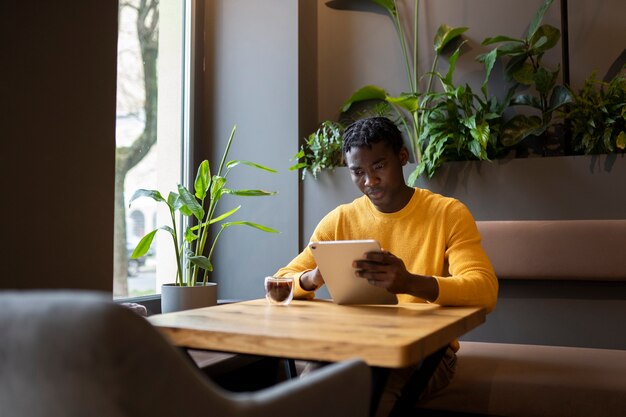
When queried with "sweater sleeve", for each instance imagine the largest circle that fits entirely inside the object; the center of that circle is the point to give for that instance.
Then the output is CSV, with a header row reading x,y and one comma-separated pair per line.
x,y
305,262
302,263
472,281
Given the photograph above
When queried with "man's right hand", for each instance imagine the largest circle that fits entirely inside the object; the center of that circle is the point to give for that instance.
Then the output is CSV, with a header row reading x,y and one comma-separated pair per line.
x,y
311,280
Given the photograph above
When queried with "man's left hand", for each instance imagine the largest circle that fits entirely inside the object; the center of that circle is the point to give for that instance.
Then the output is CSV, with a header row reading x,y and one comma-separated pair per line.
x,y
383,269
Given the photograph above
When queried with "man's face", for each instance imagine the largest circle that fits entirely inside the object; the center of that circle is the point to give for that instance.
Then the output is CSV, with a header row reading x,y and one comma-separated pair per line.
x,y
377,172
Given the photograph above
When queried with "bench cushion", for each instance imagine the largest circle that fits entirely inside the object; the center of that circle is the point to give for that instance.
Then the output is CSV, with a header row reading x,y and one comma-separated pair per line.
x,y
556,249
532,381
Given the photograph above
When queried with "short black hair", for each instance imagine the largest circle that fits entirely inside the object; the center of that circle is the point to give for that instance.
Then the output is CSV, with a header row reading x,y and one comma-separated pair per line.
x,y
365,132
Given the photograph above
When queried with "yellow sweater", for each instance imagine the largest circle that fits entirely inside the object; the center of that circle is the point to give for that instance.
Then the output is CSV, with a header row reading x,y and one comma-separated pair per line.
x,y
433,235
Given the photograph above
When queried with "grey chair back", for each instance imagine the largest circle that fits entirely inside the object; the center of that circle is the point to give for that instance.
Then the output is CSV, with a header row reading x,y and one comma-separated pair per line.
x,y
76,353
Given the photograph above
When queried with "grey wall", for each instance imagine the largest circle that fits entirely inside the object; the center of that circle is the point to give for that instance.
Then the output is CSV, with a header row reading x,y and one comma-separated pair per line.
x,y
253,82
597,38
559,188
58,143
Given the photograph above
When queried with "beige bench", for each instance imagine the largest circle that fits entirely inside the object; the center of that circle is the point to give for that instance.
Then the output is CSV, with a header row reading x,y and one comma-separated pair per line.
x,y
526,380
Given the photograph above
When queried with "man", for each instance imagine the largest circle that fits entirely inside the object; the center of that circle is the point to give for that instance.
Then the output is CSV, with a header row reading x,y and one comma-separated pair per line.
x,y
431,246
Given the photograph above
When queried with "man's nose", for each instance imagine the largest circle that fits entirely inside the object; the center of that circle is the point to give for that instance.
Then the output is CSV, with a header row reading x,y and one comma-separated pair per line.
x,y
371,179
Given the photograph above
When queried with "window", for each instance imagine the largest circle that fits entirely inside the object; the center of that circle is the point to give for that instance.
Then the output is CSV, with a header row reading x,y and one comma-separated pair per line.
x,y
137,227
150,136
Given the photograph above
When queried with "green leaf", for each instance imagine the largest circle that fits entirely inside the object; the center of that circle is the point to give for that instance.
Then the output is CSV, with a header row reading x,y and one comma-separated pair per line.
x,y
226,151
544,39
452,64
168,230
217,184
512,49
446,34
190,202
544,80
225,215
620,141
476,149
561,95
190,234
518,128
185,210
481,133
415,175
524,75
174,201
202,262
526,100
534,24
250,224
407,101
298,166
469,122
369,92
388,5
514,64
203,180
144,245
232,164
489,60
153,194
498,39
248,193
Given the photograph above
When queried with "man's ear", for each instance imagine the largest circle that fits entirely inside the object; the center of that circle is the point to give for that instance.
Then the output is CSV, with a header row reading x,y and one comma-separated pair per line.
x,y
404,155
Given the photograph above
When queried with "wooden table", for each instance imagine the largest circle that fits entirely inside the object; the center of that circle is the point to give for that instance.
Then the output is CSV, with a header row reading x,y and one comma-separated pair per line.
x,y
383,336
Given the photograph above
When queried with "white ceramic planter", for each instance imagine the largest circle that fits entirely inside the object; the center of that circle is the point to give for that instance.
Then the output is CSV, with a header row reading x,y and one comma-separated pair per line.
x,y
176,298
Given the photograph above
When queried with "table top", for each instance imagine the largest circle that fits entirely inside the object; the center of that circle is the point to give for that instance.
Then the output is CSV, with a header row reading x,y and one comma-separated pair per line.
x,y
382,335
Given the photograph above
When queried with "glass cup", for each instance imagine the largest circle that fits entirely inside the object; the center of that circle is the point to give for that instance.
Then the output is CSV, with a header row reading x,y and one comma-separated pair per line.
x,y
279,290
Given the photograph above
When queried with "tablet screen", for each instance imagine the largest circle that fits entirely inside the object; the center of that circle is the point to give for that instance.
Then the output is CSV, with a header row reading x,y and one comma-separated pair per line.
x,y
334,260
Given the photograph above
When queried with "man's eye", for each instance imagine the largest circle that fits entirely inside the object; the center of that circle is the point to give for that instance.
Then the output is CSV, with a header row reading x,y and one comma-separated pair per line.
x,y
379,166
358,172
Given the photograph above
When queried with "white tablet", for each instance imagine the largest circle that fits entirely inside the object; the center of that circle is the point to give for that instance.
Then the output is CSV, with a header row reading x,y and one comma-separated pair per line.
x,y
334,260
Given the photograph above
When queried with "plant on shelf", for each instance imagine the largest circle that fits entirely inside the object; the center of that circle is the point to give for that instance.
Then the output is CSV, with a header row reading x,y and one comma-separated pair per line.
x,y
448,122
597,116
526,70
450,125
321,150
408,106
200,205
458,124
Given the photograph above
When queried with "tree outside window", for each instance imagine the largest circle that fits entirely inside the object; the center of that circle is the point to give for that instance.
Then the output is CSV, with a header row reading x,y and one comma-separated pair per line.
x,y
153,46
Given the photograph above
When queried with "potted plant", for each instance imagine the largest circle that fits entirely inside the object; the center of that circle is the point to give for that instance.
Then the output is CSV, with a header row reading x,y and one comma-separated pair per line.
x,y
191,288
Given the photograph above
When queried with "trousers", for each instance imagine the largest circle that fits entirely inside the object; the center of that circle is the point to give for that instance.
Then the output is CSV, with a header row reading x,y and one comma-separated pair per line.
x,y
398,378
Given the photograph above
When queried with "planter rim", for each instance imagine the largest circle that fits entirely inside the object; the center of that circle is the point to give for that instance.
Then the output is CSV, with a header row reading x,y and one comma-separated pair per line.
x,y
173,284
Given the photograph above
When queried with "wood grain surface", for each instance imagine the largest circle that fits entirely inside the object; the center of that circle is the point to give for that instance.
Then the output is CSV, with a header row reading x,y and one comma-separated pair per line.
x,y
388,336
